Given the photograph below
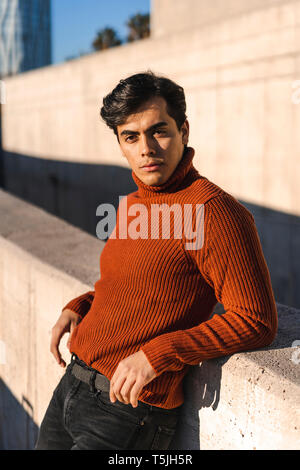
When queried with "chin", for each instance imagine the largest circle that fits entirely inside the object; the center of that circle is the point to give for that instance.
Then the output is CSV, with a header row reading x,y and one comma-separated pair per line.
x,y
155,181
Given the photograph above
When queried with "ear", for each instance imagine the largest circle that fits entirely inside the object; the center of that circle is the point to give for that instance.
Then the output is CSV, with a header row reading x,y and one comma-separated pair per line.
x,y
185,129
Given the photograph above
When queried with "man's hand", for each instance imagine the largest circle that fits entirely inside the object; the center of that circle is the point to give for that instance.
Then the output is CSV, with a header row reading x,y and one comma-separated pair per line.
x,y
66,323
129,378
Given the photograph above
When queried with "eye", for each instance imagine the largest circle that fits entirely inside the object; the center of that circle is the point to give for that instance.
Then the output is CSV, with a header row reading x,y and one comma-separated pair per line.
x,y
130,138
160,131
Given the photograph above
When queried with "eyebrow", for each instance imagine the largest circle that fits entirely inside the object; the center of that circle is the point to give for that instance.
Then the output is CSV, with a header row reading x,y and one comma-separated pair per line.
x,y
151,128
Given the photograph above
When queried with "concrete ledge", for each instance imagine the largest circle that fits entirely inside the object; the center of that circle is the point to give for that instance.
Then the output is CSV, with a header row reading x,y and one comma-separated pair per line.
x,y
243,401
248,400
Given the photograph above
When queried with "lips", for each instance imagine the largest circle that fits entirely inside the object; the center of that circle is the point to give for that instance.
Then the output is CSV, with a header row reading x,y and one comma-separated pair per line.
x,y
149,165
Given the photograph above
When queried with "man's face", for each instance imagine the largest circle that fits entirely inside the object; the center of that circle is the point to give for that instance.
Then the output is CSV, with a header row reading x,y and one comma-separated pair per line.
x,y
150,135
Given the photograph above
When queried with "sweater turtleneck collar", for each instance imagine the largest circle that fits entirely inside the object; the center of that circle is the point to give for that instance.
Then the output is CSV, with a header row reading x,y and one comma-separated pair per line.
x,y
184,167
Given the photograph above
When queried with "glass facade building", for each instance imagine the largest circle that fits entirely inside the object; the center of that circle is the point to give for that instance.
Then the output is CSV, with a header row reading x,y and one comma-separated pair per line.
x,y
25,35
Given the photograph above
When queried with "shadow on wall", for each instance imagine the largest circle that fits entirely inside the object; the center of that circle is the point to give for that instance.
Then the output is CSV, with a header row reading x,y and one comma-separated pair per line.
x,y
18,431
202,384
201,389
73,191
279,234
205,383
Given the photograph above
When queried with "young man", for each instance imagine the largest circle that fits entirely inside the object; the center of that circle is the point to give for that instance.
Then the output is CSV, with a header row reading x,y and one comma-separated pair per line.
x,y
148,319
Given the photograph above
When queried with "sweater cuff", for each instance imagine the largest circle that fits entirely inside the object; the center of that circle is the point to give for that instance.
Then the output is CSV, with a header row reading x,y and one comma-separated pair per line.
x,y
161,354
81,304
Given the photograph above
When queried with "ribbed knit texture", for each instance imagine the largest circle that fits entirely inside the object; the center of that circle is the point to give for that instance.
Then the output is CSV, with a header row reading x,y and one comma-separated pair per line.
x,y
158,296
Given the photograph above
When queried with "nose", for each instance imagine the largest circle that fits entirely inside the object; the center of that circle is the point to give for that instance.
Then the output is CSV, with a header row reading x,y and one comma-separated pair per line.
x,y
147,146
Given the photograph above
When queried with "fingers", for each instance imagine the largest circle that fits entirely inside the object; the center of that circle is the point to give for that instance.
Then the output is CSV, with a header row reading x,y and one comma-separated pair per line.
x,y
57,333
72,328
115,387
130,376
126,390
135,393
67,321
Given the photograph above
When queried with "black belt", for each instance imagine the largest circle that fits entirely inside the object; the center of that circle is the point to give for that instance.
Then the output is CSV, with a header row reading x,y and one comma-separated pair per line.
x,y
91,377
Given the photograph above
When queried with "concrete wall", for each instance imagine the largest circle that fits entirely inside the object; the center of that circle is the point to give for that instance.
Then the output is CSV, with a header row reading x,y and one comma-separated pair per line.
x,y
243,401
44,262
237,61
175,16
238,76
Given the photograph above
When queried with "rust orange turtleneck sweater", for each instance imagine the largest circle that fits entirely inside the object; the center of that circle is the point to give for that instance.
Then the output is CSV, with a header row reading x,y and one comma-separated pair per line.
x,y
156,295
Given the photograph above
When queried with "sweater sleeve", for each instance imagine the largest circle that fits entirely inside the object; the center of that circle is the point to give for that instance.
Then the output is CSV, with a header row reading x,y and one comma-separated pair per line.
x,y
233,264
81,304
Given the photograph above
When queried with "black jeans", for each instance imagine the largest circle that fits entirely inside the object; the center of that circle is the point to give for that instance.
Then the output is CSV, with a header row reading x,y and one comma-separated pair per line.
x,y
81,418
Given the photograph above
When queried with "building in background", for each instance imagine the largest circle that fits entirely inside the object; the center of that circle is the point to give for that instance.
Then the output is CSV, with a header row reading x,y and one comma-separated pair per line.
x,y
25,35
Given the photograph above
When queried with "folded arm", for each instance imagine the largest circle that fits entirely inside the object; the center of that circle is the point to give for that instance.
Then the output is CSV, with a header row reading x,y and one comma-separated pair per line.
x,y
233,264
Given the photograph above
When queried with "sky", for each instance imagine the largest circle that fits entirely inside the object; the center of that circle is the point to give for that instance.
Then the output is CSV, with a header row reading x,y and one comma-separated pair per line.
x,y
75,23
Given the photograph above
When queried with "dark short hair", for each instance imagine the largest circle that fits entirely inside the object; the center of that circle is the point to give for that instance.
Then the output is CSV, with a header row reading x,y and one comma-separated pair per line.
x,y
134,91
